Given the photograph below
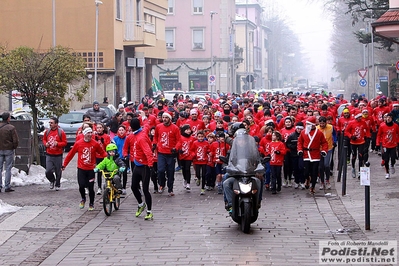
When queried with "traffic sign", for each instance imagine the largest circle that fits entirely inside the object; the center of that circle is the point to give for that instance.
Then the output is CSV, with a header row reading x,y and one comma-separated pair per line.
x,y
362,73
212,80
397,65
363,82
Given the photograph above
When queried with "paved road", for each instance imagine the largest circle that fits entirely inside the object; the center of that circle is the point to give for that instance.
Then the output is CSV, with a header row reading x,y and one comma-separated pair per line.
x,y
190,229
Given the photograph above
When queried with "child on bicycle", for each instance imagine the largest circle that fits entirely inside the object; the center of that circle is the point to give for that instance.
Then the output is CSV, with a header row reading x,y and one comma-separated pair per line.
x,y
112,162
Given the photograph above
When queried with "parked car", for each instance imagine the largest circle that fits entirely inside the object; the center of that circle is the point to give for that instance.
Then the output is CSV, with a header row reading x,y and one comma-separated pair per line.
x,y
70,123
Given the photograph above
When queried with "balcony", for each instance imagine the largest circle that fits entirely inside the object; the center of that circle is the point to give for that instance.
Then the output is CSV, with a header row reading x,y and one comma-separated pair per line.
x,y
139,34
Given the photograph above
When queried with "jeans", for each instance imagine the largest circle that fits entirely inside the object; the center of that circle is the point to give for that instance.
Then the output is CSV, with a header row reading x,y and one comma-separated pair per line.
x,y
324,167
166,163
7,157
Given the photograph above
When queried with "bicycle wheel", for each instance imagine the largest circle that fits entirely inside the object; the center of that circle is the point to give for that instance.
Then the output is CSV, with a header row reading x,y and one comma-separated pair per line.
x,y
107,204
117,201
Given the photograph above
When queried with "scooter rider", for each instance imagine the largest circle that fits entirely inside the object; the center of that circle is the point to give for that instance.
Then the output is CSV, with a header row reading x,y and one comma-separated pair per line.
x,y
240,139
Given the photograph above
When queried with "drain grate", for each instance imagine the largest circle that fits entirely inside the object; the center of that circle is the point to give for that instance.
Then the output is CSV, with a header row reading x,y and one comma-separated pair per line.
x,y
392,195
39,229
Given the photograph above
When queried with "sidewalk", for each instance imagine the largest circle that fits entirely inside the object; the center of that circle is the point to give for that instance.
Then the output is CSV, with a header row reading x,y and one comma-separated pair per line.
x,y
189,229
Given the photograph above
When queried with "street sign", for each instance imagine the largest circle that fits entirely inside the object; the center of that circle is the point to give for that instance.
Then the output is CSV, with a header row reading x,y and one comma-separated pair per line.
x,y
363,82
362,73
397,65
212,80
377,86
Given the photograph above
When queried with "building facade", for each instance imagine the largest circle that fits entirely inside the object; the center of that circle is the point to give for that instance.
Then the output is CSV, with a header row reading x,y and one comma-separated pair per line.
x,y
199,40
131,39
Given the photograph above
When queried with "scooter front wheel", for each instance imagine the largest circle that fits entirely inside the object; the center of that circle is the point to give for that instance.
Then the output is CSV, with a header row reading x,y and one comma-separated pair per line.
x,y
246,217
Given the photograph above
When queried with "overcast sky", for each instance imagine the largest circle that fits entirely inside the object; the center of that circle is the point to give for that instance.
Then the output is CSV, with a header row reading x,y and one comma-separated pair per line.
x,y
313,26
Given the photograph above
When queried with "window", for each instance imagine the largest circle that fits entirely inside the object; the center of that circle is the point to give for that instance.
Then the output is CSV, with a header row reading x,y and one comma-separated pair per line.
x,y
118,10
171,4
170,39
198,39
198,6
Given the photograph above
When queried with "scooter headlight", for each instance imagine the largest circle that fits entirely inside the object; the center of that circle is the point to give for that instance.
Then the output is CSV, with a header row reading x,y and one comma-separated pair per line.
x,y
245,188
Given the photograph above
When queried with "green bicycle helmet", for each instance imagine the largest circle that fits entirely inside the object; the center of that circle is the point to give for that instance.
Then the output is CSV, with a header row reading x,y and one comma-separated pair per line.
x,y
111,147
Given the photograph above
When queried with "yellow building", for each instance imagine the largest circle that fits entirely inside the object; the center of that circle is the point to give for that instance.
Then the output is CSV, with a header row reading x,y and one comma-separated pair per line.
x,y
131,39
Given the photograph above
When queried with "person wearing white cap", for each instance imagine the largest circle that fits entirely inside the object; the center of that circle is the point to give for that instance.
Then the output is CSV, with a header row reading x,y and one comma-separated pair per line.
x,y
195,123
86,149
166,138
356,131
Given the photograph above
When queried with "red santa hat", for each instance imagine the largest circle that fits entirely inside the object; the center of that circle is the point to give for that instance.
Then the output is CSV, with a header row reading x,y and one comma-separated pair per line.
x,y
311,120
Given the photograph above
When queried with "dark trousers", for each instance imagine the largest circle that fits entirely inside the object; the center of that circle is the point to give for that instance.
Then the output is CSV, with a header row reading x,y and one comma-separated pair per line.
x,y
297,165
389,153
210,176
287,167
166,163
86,179
185,168
311,169
53,167
142,173
276,177
200,172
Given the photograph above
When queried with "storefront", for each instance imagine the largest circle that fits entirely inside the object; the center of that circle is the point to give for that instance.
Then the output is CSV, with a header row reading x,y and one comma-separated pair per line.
x,y
198,80
170,80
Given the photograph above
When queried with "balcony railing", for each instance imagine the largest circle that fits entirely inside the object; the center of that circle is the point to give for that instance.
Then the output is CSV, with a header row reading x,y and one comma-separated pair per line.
x,y
134,30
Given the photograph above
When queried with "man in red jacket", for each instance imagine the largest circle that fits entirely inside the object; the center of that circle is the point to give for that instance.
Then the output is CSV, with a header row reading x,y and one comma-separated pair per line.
x,y
166,138
311,145
86,149
54,139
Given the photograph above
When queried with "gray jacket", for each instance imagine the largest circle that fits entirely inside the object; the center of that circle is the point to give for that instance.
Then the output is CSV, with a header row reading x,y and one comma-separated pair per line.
x,y
8,137
98,115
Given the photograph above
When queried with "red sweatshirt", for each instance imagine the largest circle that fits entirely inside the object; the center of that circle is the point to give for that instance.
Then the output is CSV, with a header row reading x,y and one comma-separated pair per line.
x,y
86,154
200,150
271,148
52,137
388,136
166,137
140,148
185,145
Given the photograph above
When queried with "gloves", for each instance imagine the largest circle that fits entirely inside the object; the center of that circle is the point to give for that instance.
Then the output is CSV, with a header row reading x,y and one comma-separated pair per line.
x,y
277,152
122,169
154,147
353,138
62,168
173,151
181,151
95,170
300,153
323,153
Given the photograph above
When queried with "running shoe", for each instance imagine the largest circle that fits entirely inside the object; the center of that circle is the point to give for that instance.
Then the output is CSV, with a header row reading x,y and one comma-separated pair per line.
x,y
149,216
140,210
82,204
91,207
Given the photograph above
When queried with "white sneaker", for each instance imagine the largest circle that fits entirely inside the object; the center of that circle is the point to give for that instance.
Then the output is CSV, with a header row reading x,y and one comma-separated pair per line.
x,y
392,170
86,191
123,191
184,183
387,176
321,186
289,183
328,185
296,185
302,186
284,183
99,191
188,187
353,173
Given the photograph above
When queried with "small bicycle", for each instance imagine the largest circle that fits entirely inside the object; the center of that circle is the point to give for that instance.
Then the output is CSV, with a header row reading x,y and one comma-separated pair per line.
x,y
111,196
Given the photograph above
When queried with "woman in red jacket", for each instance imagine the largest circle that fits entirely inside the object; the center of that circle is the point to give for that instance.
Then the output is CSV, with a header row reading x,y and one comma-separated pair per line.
x,y
276,151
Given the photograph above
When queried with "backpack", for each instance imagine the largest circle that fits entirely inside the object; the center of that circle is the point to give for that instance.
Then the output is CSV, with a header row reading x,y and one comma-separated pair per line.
x,y
59,132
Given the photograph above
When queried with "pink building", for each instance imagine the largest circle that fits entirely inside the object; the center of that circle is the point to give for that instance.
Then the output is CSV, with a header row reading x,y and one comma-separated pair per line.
x,y
194,31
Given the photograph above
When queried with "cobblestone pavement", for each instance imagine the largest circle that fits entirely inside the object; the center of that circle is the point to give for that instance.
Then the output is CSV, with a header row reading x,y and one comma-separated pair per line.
x,y
189,229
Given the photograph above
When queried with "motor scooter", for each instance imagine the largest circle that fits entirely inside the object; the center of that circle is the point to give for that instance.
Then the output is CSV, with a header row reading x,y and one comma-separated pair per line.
x,y
243,164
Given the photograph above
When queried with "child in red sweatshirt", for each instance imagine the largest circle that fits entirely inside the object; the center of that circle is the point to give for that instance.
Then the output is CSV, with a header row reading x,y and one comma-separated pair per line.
x,y
185,156
276,151
200,150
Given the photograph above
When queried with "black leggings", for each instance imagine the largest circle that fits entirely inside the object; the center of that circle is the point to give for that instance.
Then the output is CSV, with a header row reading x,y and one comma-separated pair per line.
x,y
357,150
86,179
142,173
389,153
185,168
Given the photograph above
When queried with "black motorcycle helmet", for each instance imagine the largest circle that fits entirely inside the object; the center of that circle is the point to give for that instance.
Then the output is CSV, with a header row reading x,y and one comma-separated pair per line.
x,y
234,127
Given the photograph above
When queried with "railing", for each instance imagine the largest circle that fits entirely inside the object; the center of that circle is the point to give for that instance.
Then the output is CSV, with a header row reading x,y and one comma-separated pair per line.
x,y
134,30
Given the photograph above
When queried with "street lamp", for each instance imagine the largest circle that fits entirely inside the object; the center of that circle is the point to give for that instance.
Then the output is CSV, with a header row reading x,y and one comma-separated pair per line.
x,y
97,2
212,13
